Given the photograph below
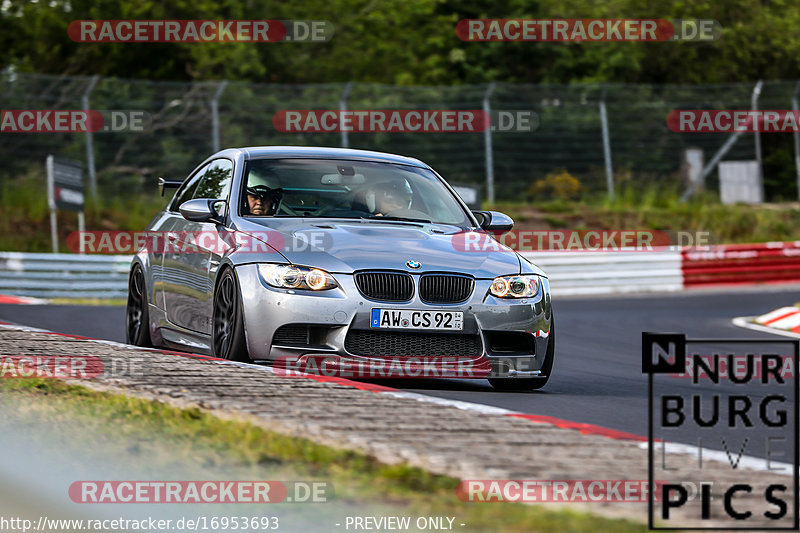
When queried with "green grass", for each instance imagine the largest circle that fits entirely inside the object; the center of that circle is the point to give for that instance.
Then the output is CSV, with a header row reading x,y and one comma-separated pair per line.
x,y
25,224
164,435
660,209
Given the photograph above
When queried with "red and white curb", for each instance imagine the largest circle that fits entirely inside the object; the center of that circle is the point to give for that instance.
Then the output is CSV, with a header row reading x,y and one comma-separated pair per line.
x,y
747,462
784,321
786,318
21,300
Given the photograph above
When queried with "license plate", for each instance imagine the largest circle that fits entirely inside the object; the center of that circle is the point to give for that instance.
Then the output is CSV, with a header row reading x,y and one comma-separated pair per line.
x,y
413,319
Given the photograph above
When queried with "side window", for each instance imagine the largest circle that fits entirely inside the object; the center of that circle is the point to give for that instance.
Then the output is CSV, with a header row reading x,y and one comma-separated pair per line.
x,y
217,180
187,191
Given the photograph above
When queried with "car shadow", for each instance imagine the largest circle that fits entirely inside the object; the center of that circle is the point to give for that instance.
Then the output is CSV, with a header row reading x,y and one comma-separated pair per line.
x,y
477,385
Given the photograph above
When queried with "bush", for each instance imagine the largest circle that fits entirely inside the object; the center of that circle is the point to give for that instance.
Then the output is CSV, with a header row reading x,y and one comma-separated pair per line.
x,y
558,184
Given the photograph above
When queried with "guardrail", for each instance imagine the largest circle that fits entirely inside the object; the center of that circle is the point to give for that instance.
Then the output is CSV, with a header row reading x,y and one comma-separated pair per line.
x,y
64,275
574,272
101,276
571,272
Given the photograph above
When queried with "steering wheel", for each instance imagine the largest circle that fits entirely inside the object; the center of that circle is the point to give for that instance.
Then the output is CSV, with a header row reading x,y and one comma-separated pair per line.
x,y
324,210
331,208
286,209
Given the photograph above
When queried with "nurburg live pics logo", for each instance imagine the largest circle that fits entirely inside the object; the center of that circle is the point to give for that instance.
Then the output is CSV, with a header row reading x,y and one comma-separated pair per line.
x,y
751,415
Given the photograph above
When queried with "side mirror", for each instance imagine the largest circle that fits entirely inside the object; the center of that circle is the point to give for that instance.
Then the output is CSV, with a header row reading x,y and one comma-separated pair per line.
x,y
494,221
204,210
167,184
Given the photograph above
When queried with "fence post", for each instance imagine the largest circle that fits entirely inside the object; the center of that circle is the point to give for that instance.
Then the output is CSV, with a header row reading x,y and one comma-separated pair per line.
x,y
487,142
796,135
48,168
89,141
759,162
215,115
343,107
606,146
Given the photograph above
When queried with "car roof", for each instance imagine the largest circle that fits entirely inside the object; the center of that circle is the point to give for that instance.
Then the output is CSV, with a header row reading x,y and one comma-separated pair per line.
x,y
322,152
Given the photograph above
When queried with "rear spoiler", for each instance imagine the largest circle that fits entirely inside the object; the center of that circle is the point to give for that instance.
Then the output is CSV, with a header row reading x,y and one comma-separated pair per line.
x,y
168,184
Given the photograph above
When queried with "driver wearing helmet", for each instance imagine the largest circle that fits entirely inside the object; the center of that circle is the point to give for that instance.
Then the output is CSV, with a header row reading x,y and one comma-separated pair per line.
x,y
391,197
263,198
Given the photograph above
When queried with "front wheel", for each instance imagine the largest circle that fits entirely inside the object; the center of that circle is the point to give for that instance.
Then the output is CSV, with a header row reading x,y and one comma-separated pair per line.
x,y
137,317
527,384
227,337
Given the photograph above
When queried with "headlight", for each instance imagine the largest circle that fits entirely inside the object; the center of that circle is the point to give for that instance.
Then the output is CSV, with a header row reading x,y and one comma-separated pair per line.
x,y
296,277
523,286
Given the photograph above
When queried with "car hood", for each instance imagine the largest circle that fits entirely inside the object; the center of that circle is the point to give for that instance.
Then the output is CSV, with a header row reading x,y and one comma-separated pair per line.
x,y
345,246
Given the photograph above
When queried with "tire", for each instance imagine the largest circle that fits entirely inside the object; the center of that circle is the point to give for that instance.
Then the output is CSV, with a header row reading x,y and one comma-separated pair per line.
x,y
227,333
528,384
137,316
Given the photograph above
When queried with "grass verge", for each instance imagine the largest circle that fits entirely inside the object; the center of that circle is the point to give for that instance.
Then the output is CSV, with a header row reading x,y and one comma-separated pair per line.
x,y
194,436
25,224
654,209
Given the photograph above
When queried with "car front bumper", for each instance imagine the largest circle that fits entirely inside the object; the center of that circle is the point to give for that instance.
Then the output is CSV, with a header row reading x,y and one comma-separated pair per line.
x,y
334,313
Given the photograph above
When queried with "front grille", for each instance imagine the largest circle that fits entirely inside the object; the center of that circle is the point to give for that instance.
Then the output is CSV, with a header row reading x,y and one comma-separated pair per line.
x,y
397,344
445,288
385,286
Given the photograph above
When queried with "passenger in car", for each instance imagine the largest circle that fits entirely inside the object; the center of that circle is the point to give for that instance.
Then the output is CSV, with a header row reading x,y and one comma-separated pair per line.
x,y
391,197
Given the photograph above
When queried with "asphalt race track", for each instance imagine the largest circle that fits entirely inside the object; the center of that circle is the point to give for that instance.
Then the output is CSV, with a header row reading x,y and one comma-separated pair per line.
x,y
597,378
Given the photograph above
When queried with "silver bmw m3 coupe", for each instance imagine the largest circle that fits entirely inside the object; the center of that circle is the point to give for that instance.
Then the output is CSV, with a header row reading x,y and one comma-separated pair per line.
x,y
332,259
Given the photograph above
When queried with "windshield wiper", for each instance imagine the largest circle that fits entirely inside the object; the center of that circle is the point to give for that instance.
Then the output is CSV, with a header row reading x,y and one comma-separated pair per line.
x,y
398,219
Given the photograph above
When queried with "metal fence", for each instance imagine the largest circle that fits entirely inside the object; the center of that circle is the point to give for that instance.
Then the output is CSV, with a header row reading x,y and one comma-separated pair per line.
x,y
191,120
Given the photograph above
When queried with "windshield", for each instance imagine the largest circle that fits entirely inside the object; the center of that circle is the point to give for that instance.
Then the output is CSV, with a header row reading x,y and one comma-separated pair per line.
x,y
347,189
